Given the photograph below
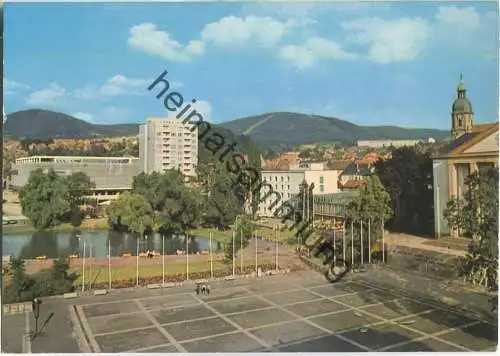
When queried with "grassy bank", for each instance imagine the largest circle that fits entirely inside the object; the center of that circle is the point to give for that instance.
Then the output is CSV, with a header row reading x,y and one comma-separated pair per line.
x,y
284,236
121,273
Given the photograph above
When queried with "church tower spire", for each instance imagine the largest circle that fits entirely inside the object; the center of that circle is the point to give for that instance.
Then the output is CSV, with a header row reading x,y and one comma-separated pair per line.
x,y
461,112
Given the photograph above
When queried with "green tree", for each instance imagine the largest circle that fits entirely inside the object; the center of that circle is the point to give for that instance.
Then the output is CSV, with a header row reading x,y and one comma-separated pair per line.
x,y
371,206
476,215
224,199
407,177
21,283
177,207
79,186
254,161
244,229
44,199
131,212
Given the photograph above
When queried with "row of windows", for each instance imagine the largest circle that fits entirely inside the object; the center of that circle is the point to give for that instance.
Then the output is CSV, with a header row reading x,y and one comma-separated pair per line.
x,y
282,179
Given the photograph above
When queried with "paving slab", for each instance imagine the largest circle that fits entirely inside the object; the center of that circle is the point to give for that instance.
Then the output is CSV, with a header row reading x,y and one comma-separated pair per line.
x,y
168,301
267,286
131,340
329,343
12,336
379,336
110,308
239,305
344,320
172,315
315,307
159,349
200,328
286,333
224,294
436,321
426,345
56,331
396,309
477,338
99,325
291,297
254,319
358,299
238,342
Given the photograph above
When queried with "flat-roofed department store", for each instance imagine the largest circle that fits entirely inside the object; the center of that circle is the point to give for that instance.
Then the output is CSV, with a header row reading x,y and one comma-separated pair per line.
x,y
111,175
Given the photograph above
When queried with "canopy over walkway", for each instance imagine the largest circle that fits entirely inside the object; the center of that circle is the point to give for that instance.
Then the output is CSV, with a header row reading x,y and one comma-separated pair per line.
x,y
327,206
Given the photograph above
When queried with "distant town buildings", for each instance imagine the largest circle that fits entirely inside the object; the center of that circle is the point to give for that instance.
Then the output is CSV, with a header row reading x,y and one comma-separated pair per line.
x,y
287,182
168,144
393,143
112,175
474,148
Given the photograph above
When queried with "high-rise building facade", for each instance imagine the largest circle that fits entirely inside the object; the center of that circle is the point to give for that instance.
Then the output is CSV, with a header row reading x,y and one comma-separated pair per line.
x,y
168,144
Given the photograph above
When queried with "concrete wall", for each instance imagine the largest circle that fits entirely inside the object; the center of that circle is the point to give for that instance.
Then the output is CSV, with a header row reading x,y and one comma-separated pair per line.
x,y
329,184
440,189
286,183
105,176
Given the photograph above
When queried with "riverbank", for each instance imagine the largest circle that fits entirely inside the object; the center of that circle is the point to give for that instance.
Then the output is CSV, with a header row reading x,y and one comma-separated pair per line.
x,y
102,225
87,225
125,268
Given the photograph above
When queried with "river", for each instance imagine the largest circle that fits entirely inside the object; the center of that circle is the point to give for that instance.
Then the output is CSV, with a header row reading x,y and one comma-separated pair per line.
x,y
57,244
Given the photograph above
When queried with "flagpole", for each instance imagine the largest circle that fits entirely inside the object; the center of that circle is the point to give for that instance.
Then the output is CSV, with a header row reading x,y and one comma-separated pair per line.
x,y
163,259
83,267
109,263
137,263
241,250
211,257
187,258
256,262
234,257
276,234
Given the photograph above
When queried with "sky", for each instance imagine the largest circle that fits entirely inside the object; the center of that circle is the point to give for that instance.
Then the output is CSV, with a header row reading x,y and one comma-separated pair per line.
x,y
369,63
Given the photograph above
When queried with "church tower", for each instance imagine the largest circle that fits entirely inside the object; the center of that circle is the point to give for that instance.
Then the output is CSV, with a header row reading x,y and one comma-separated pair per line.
x,y
461,113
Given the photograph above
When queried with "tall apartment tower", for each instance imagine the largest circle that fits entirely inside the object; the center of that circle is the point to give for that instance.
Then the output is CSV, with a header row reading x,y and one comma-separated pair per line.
x,y
168,144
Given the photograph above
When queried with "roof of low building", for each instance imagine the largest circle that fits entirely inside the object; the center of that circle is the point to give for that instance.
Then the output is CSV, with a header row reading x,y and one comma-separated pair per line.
x,y
351,169
469,139
354,184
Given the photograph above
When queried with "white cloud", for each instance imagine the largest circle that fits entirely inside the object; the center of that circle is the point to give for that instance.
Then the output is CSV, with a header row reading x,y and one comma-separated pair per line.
x,y
389,41
12,87
204,108
83,115
237,31
47,96
117,85
454,30
313,50
230,31
146,38
463,31
465,18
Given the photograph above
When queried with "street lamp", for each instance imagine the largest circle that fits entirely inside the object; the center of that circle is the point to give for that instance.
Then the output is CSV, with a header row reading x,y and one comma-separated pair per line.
x,y
79,237
36,312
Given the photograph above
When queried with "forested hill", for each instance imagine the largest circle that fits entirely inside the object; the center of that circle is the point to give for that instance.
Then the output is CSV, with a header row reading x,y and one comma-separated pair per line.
x,y
284,129
45,124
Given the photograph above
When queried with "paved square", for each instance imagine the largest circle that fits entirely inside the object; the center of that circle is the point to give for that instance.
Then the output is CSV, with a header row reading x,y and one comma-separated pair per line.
x,y
296,313
279,314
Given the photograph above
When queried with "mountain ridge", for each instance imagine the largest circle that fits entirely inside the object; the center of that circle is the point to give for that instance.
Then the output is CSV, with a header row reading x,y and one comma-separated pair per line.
x,y
271,130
